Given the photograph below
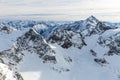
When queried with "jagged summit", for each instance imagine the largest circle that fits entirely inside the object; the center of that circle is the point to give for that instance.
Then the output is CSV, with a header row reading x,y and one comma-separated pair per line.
x,y
92,18
91,22
66,51
31,42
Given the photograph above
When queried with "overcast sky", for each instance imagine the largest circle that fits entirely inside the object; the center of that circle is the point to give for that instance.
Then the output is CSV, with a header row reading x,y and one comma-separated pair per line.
x,y
60,9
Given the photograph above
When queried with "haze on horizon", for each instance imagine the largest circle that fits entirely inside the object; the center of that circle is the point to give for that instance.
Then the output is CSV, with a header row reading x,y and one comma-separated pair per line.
x,y
108,10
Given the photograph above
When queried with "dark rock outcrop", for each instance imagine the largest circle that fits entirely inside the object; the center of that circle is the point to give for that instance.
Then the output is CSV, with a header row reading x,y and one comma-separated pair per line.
x,y
66,39
32,42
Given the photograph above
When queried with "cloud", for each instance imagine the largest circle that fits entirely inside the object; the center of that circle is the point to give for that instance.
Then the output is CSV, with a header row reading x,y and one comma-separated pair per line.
x,y
70,9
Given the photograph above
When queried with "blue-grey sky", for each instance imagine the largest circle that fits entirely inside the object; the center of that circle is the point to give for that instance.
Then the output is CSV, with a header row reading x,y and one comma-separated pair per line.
x,y
60,9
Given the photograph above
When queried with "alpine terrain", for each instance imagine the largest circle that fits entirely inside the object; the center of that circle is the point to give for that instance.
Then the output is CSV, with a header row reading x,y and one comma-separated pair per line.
x,y
78,50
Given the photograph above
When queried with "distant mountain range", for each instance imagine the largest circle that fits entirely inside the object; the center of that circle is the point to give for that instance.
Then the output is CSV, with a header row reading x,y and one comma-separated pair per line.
x,y
79,50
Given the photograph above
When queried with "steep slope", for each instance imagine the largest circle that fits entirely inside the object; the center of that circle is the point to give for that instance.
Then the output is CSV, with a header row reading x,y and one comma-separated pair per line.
x,y
7,74
82,50
89,26
31,42
67,39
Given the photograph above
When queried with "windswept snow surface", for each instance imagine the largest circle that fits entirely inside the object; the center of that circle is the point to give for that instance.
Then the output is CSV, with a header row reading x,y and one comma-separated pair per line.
x,y
72,63
7,40
82,67
33,69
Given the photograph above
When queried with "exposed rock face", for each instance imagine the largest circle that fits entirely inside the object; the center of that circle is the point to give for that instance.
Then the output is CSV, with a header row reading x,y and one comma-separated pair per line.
x,y
18,76
6,29
66,39
102,61
11,57
113,42
7,74
91,22
74,49
31,42
98,29
34,43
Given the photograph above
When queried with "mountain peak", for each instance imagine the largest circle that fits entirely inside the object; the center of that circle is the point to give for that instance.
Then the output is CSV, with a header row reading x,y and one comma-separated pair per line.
x,y
92,18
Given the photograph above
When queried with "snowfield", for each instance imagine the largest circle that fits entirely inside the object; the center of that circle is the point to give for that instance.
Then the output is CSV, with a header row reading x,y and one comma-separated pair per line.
x,y
82,50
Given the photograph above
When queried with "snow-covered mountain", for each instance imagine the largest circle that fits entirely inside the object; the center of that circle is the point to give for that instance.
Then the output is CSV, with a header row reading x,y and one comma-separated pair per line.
x,y
82,50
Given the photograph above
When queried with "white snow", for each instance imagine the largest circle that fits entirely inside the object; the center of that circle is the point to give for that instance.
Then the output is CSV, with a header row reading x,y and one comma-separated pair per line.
x,y
82,66
6,72
33,69
7,40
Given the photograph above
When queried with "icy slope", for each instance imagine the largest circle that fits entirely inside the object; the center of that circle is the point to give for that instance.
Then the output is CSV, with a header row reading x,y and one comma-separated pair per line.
x,y
82,65
73,63
82,50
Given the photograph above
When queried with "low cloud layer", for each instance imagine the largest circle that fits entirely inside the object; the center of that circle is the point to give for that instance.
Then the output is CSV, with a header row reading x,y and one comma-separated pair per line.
x,y
59,9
